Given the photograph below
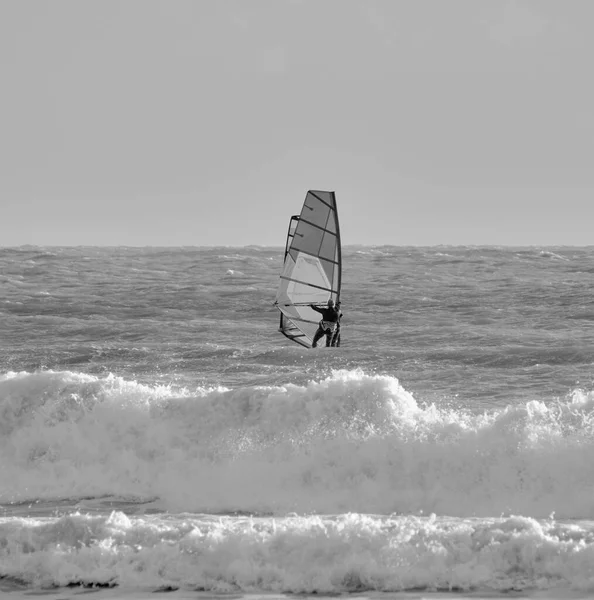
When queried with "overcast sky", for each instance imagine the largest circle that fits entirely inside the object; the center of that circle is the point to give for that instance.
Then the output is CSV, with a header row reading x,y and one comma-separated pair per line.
x,y
204,122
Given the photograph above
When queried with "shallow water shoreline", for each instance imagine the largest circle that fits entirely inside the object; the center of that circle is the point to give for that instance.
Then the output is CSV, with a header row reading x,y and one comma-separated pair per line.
x,y
157,594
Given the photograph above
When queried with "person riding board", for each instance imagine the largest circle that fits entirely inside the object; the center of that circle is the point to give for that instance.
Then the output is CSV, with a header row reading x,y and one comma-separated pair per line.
x,y
329,324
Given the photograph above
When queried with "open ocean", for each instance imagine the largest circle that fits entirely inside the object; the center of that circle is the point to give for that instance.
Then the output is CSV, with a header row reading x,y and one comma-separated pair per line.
x,y
160,438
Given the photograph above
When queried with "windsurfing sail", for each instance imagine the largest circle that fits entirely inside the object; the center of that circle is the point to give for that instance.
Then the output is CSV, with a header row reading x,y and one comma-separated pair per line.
x,y
312,267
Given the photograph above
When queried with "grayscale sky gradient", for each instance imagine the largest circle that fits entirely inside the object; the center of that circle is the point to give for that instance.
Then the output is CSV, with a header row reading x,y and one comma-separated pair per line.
x,y
204,122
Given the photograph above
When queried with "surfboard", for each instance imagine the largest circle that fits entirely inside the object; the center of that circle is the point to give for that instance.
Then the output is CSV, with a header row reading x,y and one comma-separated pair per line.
x,y
312,267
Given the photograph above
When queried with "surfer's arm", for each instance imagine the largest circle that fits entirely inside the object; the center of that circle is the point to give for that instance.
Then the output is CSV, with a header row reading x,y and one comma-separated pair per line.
x,y
316,308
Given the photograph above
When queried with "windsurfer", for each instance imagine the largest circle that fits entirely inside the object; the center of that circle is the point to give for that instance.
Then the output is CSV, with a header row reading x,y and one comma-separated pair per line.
x,y
328,325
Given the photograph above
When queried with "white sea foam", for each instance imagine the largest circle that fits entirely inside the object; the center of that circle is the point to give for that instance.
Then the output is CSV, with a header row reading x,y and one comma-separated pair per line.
x,y
553,255
322,555
351,442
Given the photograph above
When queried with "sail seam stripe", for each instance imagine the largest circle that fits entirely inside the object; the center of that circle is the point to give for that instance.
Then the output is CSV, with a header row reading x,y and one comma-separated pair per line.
x,y
314,255
319,287
317,227
322,201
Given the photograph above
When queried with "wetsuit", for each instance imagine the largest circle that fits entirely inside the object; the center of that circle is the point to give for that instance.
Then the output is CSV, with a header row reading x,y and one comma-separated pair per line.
x,y
336,337
328,324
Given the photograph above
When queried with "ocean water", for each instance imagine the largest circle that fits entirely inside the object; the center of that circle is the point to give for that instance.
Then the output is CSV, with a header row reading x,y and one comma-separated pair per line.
x,y
159,437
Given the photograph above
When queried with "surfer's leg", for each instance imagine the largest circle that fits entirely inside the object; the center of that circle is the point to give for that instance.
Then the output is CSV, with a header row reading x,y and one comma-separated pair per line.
x,y
319,333
335,337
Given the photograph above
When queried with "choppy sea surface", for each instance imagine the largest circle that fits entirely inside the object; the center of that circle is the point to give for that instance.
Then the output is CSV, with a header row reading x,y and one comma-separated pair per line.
x,y
159,437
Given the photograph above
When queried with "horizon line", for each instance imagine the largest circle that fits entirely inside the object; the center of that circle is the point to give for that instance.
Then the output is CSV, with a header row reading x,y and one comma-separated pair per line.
x,y
276,247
